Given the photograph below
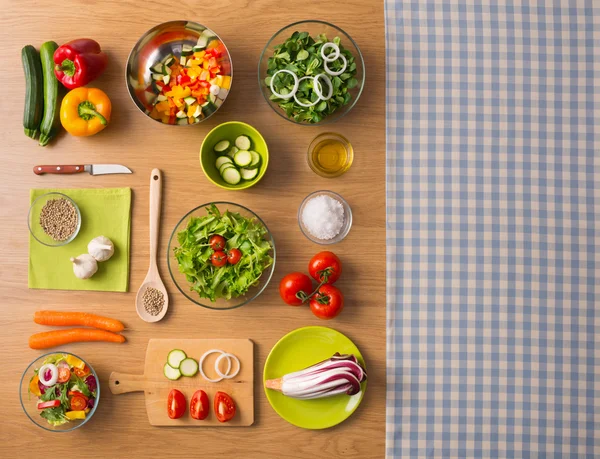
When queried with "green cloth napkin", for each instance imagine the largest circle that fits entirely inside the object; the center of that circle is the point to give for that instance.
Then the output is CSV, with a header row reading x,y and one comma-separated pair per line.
x,y
104,212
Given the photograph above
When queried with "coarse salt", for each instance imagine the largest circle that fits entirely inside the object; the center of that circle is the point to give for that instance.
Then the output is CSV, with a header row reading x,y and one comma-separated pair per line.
x,y
323,217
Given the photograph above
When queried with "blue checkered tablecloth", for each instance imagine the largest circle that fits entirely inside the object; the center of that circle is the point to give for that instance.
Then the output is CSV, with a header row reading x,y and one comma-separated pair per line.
x,y
493,229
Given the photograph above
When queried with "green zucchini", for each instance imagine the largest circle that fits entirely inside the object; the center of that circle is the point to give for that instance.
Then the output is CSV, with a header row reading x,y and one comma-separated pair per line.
x,y
34,97
51,120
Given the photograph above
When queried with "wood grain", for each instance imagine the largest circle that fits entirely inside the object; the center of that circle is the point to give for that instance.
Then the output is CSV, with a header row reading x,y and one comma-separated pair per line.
x,y
156,387
120,426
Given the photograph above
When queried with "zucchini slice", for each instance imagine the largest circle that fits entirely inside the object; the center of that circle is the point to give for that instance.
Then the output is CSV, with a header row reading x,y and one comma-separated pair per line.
x,y
242,158
222,160
232,176
255,160
242,142
175,357
222,146
248,174
172,373
188,367
232,151
225,166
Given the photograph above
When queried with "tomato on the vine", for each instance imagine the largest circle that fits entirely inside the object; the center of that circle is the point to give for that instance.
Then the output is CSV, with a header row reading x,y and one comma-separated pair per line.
x,y
291,286
234,256
216,242
218,259
325,267
327,303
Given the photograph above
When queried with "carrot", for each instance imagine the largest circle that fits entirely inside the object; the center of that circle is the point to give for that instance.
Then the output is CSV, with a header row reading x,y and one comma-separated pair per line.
x,y
58,318
72,335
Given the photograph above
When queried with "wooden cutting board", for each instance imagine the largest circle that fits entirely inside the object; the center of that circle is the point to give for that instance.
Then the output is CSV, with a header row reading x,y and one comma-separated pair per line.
x,y
156,386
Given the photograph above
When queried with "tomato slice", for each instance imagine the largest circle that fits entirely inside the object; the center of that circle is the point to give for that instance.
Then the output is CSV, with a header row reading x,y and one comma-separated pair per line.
x,y
82,373
199,405
78,402
64,374
175,404
224,407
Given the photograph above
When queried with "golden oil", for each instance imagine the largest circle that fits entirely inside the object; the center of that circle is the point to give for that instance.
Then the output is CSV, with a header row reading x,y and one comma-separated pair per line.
x,y
330,155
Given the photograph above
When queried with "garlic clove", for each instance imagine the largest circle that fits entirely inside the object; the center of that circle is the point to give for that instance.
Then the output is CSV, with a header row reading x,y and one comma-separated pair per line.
x,y
101,248
84,266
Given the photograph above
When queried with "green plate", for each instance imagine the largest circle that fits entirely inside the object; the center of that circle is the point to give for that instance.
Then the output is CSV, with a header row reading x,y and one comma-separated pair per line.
x,y
302,348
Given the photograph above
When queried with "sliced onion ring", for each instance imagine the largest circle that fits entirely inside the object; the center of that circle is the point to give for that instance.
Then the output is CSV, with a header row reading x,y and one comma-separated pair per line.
x,y
228,356
296,83
317,84
302,104
335,54
339,72
201,363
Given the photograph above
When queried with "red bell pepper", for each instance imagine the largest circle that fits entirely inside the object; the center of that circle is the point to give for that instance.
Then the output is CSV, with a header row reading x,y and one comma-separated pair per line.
x,y
49,404
79,62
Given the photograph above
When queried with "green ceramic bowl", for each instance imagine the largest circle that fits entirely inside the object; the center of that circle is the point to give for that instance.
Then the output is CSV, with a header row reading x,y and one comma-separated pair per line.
x,y
229,131
297,350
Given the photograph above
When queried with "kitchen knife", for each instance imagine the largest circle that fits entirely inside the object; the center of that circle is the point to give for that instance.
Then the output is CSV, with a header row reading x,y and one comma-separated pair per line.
x,y
93,169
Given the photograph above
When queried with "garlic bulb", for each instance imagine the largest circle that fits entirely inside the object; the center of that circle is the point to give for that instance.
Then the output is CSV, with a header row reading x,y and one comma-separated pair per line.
x,y
101,248
84,266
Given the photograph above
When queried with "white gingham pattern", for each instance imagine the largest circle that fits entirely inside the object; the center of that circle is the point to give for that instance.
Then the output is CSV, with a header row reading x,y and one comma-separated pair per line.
x,y
493,229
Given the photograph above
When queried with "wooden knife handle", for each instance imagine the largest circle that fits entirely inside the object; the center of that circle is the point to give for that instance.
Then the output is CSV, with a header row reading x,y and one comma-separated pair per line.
x,y
75,169
121,383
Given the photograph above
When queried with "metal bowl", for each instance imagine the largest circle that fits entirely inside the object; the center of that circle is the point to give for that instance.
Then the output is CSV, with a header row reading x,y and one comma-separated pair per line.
x,y
155,45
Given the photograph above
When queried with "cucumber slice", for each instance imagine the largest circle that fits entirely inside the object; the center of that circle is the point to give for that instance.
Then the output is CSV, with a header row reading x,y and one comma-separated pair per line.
x,y
248,174
190,100
169,61
222,160
225,166
181,114
175,357
182,60
188,367
166,69
161,98
242,142
222,146
242,158
157,76
166,79
158,68
255,160
197,48
208,108
232,176
182,121
171,373
202,42
232,151
186,50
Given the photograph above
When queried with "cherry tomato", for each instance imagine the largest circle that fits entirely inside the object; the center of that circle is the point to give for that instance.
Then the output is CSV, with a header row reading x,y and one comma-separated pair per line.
x,y
199,405
175,404
216,242
64,374
291,285
327,303
78,402
82,373
224,407
233,256
218,259
325,267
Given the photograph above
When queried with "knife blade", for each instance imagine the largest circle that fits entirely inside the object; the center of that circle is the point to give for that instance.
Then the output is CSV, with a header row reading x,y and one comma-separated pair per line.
x,y
92,169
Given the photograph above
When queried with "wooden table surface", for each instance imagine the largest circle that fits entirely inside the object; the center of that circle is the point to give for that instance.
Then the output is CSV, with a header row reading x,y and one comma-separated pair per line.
x,y
120,427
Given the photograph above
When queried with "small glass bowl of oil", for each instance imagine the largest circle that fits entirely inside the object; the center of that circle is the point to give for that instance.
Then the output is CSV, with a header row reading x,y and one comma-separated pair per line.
x,y
330,155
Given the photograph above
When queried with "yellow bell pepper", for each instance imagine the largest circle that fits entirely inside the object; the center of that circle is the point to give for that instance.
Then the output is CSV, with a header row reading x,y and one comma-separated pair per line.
x,y
199,54
72,415
85,111
33,386
75,362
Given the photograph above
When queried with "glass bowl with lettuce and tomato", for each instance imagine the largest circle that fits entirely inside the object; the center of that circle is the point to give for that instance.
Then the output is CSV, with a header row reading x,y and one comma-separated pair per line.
x,y
59,391
221,255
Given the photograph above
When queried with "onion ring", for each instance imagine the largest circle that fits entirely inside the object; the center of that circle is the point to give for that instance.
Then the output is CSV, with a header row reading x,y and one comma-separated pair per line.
x,y
226,375
331,72
294,90
201,363
335,54
302,104
318,83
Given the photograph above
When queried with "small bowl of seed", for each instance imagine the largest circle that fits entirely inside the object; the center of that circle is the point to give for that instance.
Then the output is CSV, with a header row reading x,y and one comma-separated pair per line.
x,y
54,219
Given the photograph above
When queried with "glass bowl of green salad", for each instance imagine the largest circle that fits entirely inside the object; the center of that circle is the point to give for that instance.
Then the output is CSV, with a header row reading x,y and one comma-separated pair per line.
x,y
59,391
221,255
311,72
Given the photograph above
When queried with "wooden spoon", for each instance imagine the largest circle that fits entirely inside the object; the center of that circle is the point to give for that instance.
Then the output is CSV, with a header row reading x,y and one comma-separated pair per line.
x,y
153,279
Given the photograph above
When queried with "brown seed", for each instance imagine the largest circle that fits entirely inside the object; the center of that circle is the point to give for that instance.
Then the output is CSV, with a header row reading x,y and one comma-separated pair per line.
x,y
58,219
154,300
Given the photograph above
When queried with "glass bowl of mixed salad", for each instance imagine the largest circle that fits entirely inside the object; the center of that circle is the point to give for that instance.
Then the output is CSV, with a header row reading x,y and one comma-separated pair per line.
x,y
221,255
179,73
59,391
311,72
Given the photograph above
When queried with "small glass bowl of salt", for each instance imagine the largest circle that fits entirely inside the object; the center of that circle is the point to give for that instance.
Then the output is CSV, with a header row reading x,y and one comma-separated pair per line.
x,y
325,217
